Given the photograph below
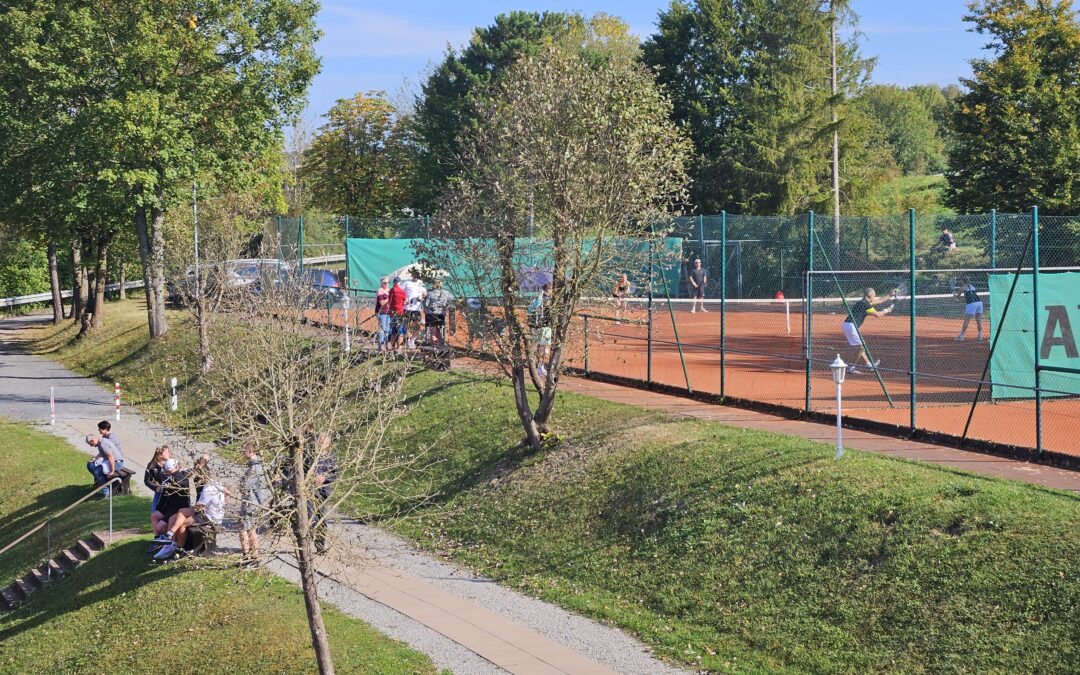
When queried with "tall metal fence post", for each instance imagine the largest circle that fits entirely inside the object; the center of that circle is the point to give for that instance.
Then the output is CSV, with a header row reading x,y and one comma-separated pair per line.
x,y
586,345
911,290
648,318
723,301
809,292
993,239
701,240
1035,326
347,232
866,235
300,242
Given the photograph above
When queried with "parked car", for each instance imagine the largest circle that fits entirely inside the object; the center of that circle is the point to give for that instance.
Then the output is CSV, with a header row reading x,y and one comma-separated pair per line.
x,y
248,274
321,285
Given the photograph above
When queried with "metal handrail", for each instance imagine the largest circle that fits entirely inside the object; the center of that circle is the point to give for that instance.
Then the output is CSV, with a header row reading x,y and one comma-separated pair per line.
x,y
47,523
47,297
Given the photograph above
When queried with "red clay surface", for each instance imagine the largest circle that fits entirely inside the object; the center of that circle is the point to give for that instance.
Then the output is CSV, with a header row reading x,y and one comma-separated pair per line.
x,y
766,363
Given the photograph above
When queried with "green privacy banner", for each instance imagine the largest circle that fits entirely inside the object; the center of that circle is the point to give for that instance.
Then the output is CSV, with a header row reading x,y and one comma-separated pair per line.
x,y
1012,366
371,259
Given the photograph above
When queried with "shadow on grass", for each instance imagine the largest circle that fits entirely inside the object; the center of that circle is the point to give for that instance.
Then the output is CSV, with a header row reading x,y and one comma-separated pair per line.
x,y
116,570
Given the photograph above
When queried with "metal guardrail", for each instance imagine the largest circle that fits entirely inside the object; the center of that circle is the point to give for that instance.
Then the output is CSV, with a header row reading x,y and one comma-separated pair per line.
x,y
111,484
47,297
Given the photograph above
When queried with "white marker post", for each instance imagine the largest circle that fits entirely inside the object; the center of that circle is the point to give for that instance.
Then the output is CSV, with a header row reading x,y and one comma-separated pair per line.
x,y
52,406
117,401
345,305
174,393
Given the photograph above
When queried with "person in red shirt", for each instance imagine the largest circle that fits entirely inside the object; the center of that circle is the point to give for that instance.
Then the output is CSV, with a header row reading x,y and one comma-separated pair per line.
x,y
397,314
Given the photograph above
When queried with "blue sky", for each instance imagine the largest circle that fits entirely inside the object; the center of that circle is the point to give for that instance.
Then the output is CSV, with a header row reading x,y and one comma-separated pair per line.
x,y
389,45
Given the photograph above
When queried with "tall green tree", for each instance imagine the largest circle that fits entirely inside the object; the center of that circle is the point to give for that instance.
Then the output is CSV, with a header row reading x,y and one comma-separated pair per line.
x,y
447,108
750,80
917,145
361,161
1016,131
157,89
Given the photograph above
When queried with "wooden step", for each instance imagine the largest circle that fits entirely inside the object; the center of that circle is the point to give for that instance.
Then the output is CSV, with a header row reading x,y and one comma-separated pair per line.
x,y
67,561
8,598
82,550
22,589
36,578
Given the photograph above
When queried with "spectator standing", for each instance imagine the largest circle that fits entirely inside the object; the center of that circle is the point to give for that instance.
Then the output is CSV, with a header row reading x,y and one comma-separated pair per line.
x,y
697,279
382,312
538,316
397,313
325,465
414,304
621,292
254,500
436,303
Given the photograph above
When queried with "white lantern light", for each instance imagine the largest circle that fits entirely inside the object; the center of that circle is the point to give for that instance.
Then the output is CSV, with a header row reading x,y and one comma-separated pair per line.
x,y
839,370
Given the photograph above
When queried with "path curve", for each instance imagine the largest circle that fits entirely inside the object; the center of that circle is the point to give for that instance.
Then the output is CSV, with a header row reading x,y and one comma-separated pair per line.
x,y
464,622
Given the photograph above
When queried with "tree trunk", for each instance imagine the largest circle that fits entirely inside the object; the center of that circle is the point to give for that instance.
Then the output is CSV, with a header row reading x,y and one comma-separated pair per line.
x,y
123,280
152,257
54,285
835,137
78,278
521,400
100,279
305,558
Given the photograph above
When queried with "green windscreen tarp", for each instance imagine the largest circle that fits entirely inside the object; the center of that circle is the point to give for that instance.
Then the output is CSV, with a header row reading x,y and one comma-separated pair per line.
x,y
1012,365
371,259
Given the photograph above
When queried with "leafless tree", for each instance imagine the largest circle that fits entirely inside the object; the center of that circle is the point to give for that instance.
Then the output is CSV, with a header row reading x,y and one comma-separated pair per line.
x,y
316,414
574,162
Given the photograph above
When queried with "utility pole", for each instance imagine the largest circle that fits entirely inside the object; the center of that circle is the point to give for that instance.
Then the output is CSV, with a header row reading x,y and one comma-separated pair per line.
x,y
835,136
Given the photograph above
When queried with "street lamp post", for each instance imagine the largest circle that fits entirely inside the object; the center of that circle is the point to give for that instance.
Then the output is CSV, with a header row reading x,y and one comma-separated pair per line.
x,y
839,370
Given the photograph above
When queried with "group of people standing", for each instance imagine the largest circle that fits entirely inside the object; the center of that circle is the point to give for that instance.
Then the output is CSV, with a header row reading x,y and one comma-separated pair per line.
x,y
405,309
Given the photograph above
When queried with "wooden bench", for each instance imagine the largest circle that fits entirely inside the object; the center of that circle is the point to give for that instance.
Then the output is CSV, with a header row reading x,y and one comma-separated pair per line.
x,y
124,474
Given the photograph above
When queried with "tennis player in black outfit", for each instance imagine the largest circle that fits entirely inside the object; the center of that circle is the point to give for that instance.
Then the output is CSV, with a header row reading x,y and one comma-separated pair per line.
x,y
852,326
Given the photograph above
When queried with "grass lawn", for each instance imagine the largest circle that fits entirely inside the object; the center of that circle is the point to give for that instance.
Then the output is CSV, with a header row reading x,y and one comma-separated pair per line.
x,y
732,549
729,549
120,614
28,493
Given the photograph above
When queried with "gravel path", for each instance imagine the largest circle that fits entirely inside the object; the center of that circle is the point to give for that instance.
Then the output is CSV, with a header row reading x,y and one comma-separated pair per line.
x,y
24,389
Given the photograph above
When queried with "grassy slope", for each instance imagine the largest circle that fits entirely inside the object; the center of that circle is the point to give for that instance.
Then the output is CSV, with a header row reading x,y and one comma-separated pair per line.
x,y
735,549
28,493
119,613
732,548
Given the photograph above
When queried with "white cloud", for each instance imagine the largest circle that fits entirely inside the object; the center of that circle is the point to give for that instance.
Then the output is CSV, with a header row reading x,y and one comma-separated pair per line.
x,y
352,32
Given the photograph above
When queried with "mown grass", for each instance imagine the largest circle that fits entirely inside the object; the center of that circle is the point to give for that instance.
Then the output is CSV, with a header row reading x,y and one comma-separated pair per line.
x,y
118,613
736,550
42,475
732,550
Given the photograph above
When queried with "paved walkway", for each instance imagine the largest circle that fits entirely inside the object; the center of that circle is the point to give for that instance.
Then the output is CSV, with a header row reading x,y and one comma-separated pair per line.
x,y
976,462
466,623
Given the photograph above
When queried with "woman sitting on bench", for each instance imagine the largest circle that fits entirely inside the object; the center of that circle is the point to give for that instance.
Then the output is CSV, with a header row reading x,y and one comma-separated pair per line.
x,y
205,517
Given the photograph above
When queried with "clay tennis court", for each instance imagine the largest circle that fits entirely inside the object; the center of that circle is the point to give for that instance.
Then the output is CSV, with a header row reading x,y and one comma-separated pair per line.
x,y
765,362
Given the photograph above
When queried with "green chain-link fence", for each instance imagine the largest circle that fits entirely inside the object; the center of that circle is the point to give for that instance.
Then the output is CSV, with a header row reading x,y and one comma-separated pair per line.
x,y
951,360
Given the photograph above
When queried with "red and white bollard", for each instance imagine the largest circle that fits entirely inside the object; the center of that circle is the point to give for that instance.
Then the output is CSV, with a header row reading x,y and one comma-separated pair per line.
x,y
117,401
